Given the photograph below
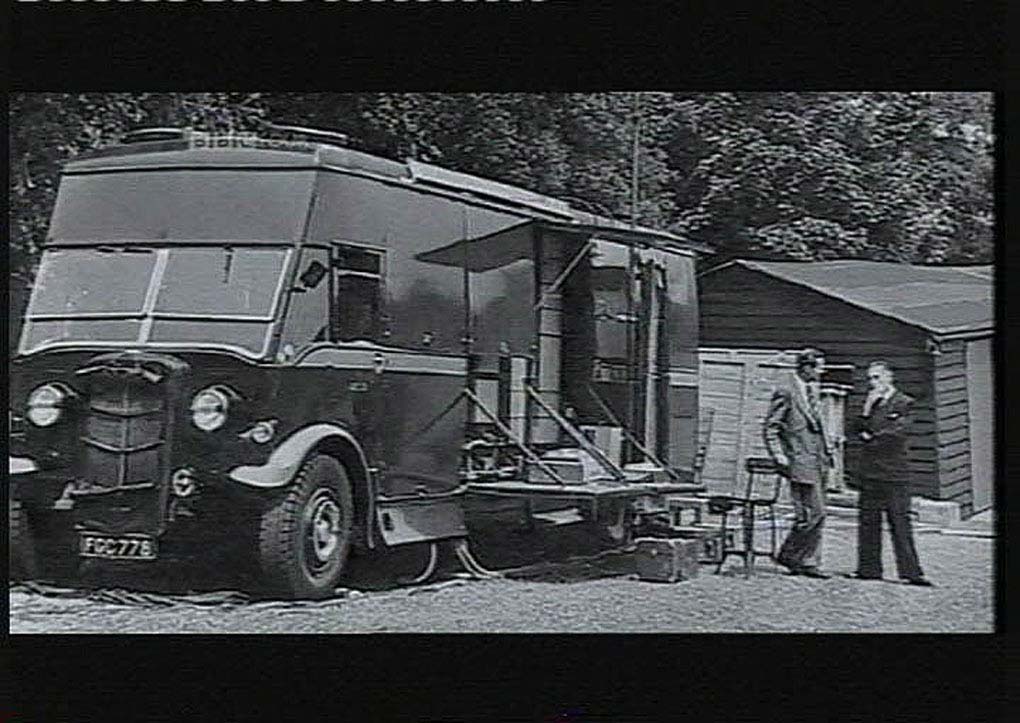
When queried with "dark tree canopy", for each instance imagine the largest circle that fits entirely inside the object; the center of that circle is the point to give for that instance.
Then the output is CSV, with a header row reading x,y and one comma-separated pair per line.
x,y
880,175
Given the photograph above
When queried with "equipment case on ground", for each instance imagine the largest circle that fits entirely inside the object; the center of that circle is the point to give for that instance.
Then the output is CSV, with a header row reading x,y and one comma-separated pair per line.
x,y
666,560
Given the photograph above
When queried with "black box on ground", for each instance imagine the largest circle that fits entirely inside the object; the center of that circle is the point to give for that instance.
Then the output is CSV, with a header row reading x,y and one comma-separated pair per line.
x,y
666,560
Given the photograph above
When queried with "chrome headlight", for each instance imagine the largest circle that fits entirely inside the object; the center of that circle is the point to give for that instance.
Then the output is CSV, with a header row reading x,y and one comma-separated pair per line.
x,y
209,408
46,404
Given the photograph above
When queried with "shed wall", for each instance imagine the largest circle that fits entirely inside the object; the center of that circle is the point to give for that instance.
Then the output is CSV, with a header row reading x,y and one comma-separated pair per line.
x,y
965,418
981,410
953,422
746,309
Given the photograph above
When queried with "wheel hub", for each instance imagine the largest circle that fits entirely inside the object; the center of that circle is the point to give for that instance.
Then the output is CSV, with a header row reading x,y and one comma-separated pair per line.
x,y
323,530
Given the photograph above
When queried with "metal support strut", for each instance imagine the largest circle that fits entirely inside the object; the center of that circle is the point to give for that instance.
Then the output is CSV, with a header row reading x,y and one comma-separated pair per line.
x,y
630,436
528,452
583,442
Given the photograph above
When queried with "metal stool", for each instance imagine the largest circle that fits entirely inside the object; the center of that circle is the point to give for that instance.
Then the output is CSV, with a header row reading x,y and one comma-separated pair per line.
x,y
748,506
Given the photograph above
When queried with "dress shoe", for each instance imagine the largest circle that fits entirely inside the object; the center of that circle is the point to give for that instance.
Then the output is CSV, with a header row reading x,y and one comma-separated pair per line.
x,y
919,581
791,567
814,572
859,576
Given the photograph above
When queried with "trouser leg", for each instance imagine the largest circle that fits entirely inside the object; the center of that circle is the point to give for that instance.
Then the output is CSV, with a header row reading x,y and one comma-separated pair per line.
x,y
816,521
898,510
802,547
789,551
869,531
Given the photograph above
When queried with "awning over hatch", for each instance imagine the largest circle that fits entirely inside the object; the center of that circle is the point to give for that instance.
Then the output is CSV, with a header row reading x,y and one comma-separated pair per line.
x,y
488,252
516,243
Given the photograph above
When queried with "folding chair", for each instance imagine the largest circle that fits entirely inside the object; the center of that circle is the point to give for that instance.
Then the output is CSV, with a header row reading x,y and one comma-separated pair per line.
x,y
749,506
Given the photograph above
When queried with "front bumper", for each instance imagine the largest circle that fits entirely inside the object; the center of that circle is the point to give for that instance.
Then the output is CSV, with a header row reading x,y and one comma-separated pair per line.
x,y
57,489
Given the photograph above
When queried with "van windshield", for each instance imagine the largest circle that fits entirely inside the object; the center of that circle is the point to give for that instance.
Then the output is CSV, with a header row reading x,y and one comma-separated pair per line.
x,y
71,282
220,282
219,296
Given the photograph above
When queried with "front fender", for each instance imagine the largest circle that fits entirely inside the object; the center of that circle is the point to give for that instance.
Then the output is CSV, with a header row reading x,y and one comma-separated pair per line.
x,y
20,465
285,460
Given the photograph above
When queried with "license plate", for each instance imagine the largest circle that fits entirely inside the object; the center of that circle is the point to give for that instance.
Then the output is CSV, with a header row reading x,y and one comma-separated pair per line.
x,y
117,547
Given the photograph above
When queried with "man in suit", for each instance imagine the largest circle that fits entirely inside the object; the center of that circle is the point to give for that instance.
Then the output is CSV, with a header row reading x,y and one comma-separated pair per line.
x,y
884,479
796,441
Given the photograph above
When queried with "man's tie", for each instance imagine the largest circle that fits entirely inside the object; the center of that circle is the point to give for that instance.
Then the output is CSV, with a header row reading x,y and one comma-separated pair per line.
x,y
813,403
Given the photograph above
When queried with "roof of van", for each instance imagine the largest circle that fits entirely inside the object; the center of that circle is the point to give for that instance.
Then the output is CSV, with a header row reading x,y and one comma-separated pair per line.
x,y
241,152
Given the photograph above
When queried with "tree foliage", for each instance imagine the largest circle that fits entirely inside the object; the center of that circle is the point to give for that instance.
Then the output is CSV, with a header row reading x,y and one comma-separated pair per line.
x,y
48,129
896,176
888,176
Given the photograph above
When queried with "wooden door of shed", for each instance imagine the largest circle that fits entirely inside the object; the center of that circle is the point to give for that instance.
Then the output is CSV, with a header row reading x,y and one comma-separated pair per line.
x,y
735,387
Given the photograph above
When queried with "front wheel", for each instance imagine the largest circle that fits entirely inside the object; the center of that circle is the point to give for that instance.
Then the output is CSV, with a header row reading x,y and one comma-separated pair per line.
x,y
305,533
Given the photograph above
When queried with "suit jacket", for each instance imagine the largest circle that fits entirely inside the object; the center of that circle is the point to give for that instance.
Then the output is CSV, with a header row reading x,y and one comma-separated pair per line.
x,y
790,426
883,458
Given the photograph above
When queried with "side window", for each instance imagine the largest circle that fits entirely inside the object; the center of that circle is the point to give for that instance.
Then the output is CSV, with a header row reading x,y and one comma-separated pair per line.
x,y
358,274
308,311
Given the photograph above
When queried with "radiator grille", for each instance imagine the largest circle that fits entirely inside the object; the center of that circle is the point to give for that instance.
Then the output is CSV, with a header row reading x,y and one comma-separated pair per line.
x,y
124,432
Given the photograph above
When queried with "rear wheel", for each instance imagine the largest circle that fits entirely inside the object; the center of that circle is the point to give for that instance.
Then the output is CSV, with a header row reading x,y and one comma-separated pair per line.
x,y
305,533
22,562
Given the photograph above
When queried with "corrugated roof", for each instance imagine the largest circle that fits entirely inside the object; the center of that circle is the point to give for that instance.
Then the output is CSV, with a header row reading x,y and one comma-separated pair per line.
x,y
940,299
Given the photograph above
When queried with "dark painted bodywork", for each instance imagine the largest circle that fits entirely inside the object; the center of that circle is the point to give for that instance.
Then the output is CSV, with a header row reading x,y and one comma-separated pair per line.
x,y
114,464
395,392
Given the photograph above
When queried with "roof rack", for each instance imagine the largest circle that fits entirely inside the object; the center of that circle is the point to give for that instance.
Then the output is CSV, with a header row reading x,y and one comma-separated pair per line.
x,y
145,135
316,135
319,135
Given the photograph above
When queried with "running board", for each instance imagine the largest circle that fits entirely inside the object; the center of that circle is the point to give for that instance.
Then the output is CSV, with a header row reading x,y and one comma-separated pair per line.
x,y
406,521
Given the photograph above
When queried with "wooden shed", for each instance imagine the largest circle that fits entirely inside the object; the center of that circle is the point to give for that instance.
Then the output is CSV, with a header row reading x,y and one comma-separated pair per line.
x,y
934,325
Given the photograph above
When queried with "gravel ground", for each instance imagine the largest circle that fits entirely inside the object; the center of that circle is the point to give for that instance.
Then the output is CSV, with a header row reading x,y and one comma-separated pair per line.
x,y
599,595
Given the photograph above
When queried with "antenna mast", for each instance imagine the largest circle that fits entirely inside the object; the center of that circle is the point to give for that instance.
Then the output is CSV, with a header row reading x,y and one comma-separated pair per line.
x,y
634,160
632,270
466,339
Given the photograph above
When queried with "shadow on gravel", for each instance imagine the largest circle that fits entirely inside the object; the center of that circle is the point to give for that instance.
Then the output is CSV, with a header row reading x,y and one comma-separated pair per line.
x,y
545,552
542,553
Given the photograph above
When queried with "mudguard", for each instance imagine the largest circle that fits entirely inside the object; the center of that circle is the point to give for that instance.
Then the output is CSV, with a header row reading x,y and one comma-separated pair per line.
x,y
285,460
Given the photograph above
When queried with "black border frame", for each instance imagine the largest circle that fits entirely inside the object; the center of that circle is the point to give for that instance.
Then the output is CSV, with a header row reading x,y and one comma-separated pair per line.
x,y
551,45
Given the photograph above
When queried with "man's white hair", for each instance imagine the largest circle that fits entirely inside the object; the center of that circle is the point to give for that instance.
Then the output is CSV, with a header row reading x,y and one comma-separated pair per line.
x,y
881,364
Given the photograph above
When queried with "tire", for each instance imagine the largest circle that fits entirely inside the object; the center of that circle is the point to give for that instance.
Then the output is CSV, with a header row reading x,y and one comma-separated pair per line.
x,y
22,562
305,532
